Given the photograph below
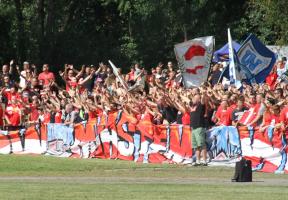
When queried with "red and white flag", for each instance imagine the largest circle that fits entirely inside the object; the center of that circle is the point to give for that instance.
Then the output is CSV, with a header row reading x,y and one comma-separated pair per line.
x,y
194,57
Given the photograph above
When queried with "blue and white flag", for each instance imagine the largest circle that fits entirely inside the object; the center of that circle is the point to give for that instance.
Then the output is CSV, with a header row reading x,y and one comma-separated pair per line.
x,y
234,71
256,60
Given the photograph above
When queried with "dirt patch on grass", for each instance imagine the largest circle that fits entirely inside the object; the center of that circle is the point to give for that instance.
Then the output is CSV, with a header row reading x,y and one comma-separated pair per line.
x,y
147,180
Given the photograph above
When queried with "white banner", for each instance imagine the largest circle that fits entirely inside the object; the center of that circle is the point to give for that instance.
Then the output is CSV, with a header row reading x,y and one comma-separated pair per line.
x,y
194,57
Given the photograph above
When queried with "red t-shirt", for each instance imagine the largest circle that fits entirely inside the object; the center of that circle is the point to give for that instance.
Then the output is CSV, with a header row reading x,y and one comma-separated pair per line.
x,y
131,76
1,116
232,107
9,95
144,117
170,83
13,114
284,115
34,114
225,117
92,115
271,80
218,113
250,114
70,85
47,118
46,77
269,118
186,118
58,117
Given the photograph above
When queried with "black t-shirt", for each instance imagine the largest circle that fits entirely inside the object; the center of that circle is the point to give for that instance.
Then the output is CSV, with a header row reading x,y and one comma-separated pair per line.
x,y
169,113
52,117
179,117
208,120
89,83
197,119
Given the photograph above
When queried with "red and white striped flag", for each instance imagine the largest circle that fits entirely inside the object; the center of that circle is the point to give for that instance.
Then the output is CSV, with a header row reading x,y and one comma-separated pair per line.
x,y
194,57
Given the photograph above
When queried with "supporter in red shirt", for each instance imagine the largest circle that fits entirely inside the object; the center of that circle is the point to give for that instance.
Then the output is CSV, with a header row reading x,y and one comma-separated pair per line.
x,y
224,118
46,77
58,117
272,78
72,82
233,102
257,111
131,75
1,116
171,80
186,118
284,116
219,109
34,112
271,117
10,93
46,117
13,113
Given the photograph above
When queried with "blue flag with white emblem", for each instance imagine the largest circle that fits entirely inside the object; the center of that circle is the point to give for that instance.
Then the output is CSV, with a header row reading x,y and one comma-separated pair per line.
x,y
256,60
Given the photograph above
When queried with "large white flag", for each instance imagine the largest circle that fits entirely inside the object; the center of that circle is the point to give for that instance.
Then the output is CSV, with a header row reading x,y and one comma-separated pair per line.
x,y
194,57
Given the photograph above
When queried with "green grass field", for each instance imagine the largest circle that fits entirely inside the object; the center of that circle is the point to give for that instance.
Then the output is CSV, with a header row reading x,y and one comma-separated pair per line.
x,y
39,177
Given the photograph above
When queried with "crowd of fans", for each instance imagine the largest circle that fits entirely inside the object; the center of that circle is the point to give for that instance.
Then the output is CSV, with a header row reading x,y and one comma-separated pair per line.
x,y
29,97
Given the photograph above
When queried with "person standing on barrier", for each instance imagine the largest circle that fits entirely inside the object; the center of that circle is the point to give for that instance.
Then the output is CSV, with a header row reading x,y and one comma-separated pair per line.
x,y
197,114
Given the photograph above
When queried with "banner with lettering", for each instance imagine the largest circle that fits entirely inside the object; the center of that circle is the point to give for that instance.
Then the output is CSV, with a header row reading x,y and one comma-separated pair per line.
x,y
24,141
121,136
266,149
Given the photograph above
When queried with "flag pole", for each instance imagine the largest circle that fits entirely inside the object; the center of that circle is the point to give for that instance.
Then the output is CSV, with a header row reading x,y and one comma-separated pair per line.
x,y
116,73
209,73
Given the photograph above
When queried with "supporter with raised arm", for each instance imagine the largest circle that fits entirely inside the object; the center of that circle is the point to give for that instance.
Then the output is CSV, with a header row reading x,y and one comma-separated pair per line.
x,y
238,112
13,113
7,70
224,117
271,116
45,76
22,82
259,109
197,115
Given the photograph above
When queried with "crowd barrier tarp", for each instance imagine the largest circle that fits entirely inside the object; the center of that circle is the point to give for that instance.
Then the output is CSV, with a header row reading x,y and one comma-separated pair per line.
x,y
120,136
115,136
224,139
24,141
267,150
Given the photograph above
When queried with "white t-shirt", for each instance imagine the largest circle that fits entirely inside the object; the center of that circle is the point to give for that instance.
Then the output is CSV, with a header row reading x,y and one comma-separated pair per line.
x,y
282,71
22,82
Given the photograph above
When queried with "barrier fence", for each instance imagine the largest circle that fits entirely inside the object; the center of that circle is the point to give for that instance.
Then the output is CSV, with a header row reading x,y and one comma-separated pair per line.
x,y
120,136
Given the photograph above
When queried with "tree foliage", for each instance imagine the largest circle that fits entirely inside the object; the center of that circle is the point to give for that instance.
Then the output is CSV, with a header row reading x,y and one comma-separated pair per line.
x,y
127,31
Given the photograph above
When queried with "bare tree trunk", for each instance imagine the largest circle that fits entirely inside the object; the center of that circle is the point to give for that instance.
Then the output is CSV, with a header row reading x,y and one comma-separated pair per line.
x,y
41,18
129,24
185,33
50,29
20,31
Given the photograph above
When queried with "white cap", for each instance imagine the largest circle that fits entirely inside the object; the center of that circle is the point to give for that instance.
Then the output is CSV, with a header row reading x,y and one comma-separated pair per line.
x,y
158,76
26,63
